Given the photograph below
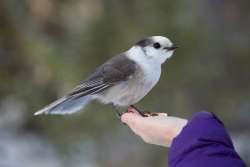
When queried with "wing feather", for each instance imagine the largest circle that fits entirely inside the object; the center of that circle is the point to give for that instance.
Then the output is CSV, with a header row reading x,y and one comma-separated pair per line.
x,y
117,69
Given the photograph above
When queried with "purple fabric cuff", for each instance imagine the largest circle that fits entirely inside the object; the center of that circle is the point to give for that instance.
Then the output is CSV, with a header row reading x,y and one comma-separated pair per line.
x,y
203,142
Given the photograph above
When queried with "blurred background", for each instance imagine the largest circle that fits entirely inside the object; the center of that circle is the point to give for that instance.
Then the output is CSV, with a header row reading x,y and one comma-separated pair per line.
x,y
49,46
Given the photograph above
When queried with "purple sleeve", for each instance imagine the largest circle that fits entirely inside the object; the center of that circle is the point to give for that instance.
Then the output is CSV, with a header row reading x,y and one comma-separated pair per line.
x,y
204,142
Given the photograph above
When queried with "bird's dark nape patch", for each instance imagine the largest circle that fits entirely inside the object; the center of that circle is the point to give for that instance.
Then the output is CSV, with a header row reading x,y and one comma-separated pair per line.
x,y
144,42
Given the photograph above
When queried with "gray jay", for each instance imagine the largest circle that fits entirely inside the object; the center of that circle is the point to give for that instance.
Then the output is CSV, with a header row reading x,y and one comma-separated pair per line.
x,y
121,81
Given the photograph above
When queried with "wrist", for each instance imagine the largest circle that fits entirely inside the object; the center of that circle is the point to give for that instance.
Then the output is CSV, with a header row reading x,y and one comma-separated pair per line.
x,y
176,130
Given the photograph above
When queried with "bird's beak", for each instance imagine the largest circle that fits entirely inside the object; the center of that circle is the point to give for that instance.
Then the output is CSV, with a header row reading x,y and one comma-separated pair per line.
x,y
173,47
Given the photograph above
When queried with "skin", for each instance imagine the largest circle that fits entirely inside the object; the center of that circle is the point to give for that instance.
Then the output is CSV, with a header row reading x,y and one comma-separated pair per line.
x,y
159,130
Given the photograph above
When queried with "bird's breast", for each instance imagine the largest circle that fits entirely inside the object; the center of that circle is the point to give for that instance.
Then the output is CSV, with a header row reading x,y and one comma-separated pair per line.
x,y
134,89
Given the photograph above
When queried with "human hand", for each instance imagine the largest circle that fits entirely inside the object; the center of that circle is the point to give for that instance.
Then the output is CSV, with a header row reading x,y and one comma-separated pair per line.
x,y
158,130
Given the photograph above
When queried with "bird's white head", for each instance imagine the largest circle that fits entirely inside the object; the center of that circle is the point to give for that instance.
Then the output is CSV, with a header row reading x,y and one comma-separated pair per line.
x,y
154,49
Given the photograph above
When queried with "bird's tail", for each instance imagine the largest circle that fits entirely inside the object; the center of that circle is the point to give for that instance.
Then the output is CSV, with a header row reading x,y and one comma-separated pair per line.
x,y
66,105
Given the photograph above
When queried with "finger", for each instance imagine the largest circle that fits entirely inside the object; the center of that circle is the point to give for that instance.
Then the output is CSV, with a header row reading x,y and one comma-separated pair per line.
x,y
129,118
134,122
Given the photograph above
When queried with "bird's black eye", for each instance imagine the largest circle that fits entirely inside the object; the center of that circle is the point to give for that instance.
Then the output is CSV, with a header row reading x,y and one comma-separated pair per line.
x,y
157,45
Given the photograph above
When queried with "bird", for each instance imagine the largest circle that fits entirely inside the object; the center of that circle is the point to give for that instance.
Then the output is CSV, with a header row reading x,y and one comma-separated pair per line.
x,y
122,81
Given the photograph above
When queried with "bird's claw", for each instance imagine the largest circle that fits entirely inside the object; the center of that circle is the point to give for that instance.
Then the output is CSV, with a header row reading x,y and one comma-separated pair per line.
x,y
143,114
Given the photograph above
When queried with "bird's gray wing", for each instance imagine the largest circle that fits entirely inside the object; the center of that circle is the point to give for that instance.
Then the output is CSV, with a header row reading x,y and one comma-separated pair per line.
x,y
117,69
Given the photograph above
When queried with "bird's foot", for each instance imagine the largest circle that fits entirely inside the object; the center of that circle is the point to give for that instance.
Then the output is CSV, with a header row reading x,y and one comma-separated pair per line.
x,y
143,114
150,114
